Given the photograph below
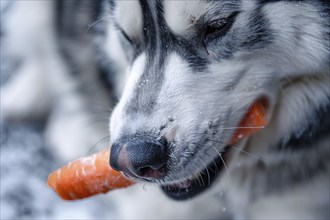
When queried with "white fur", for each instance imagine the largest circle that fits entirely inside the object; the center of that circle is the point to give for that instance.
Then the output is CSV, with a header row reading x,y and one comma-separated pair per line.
x,y
129,17
187,12
289,24
134,75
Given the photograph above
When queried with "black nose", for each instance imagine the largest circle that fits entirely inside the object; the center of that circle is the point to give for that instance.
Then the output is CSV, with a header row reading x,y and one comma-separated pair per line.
x,y
139,158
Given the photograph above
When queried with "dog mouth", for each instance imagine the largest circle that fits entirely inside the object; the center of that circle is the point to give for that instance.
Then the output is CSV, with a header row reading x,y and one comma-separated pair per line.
x,y
200,182
253,121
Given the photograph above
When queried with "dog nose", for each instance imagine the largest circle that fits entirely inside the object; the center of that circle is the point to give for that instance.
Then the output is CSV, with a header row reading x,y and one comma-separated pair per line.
x,y
139,158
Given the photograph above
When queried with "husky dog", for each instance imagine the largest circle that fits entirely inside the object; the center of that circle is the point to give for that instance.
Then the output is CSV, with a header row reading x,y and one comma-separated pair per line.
x,y
194,69
191,70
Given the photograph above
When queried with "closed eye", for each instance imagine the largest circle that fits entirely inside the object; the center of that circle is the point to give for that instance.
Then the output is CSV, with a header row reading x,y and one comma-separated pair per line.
x,y
218,28
126,37
123,33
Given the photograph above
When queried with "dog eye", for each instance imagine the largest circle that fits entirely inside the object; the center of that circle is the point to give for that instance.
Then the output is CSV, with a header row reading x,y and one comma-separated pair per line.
x,y
123,34
126,37
215,26
218,28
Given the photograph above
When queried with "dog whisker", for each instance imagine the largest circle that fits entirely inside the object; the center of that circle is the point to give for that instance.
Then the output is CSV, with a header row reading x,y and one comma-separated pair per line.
x,y
98,119
103,140
244,127
101,114
207,170
200,178
223,161
243,151
94,23
249,154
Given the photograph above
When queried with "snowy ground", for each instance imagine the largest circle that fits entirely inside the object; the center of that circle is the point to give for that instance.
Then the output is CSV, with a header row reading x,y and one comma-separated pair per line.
x,y
25,164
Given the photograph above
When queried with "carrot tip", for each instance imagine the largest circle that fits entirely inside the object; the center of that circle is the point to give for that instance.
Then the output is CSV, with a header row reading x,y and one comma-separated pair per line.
x,y
86,177
51,181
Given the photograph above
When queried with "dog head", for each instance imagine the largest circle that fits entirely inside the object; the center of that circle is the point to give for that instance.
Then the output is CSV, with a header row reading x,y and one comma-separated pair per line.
x,y
193,69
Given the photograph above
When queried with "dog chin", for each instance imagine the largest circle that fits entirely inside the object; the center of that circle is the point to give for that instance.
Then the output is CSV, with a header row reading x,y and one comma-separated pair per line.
x,y
200,182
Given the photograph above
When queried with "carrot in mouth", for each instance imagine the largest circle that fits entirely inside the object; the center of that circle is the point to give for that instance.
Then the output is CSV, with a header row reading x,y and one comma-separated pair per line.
x,y
93,175
254,121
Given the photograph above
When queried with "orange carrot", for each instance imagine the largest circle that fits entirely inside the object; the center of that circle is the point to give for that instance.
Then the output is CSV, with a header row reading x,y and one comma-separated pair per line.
x,y
86,177
254,120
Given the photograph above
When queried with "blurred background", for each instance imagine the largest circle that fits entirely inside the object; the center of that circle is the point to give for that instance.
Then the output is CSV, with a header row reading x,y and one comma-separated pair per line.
x,y
25,165
26,160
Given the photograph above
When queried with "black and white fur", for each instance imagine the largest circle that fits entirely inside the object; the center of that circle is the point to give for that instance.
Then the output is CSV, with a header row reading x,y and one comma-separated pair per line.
x,y
191,70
